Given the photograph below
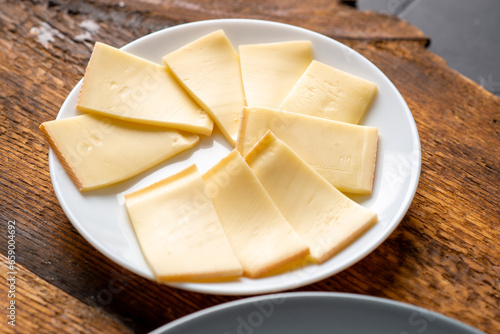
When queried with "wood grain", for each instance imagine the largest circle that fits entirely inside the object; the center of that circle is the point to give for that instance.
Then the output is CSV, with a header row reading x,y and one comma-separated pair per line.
x,y
444,255
35,298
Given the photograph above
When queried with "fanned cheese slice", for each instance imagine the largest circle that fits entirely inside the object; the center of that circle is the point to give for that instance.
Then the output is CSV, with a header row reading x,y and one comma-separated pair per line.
x,y
342,153
259,234
120,85
179,231
270,70
324,91
322,216
98,151
209,68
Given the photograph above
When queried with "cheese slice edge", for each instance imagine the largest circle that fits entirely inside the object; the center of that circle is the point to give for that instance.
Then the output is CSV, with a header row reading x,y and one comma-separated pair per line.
x,y
349,163
259,234
209,69
121,85
270,70
179,231
98,151
322,216
327,92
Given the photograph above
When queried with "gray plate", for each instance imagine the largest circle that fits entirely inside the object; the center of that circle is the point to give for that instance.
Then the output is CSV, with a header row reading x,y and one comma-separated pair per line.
x,y
315,312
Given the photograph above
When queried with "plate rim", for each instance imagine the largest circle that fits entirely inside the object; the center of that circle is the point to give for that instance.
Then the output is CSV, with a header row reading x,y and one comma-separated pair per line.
x,y
208,287
302,295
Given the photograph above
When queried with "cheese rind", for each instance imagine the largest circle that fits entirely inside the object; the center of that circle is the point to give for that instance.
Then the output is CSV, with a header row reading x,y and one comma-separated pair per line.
x,y
209,69
120,85
98,151
322,216
179,231
324,91
259,234
344,154
270,70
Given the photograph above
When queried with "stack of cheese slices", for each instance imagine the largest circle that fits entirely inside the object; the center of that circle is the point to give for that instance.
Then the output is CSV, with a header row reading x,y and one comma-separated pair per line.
x,y
276,198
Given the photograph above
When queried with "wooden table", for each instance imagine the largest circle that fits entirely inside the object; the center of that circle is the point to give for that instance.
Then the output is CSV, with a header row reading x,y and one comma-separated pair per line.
x,y
444,255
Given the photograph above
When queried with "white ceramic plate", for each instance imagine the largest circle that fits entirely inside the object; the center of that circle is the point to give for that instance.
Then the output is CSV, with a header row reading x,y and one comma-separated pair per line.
x,y
100,215
315,312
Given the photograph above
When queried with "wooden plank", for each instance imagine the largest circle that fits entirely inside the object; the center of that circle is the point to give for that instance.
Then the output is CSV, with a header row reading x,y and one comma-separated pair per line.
x,y
443,255
39,307
444,250
331,18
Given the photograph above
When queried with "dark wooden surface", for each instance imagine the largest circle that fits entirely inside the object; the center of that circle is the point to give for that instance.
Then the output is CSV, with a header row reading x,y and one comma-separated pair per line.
x,y
444,255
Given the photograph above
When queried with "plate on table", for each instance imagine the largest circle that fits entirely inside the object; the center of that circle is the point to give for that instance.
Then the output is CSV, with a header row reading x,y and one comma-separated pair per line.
x,y
315,312
100,215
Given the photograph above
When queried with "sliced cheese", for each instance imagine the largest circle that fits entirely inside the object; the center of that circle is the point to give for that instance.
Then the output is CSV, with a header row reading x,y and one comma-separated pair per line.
x,y
120,85
322,216
324,91
342,153
209,68
98,151
179,231
259,234
270,70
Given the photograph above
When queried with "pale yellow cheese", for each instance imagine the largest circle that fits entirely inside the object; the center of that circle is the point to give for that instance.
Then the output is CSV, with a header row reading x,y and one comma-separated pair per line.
x,y
324,91
98,151
179,231
322,216
259,234
209,68
270,70
120,85
342,153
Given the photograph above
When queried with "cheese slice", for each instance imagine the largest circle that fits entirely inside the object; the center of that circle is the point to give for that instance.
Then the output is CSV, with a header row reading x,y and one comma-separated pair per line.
x,y
324,91
342,153
120,85
98,151
259,234
179,231
270,70
322,216
209,69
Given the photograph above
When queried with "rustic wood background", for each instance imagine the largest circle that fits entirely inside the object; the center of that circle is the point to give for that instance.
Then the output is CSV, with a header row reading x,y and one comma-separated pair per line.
x,y
444,256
